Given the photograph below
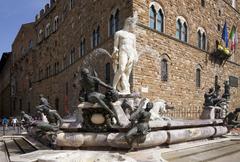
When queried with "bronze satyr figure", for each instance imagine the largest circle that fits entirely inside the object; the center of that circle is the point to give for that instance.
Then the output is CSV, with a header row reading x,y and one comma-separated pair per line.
x,y
140,125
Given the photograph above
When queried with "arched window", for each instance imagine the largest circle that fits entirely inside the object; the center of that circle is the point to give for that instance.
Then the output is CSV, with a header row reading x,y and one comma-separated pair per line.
x,y
98,36
82,47
116,20
201,39
198,77
111,25
152,15
93,39
107,73
72,56
203,3
160,20
71,3
164,70
56,21
204,41
182,29
57,104
184,32
179,26
40,35
234,3
47,30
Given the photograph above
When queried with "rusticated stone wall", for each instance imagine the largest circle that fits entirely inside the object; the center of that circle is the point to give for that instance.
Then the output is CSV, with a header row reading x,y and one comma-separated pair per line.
x,y
184,58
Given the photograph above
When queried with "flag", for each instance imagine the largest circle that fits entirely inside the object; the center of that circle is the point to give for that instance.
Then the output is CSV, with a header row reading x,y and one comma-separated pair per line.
x,y
233,37
225,34
235,40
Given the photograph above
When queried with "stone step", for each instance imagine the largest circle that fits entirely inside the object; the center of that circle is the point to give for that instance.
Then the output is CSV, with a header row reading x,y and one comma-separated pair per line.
x,y
12,148
26,147
3,153
18,146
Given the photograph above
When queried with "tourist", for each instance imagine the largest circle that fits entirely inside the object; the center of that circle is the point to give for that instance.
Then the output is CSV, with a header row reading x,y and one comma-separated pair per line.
x,y
5,122
14,122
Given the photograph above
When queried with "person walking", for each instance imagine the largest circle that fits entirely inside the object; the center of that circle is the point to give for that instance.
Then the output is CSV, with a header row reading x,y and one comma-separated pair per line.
x,y
14,122
5,124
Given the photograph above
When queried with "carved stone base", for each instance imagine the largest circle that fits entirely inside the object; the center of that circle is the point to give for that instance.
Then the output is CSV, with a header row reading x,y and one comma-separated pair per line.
x,y
155,138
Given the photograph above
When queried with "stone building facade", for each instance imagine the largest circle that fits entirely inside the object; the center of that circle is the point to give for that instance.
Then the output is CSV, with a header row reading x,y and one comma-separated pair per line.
x,y
5,91
175,40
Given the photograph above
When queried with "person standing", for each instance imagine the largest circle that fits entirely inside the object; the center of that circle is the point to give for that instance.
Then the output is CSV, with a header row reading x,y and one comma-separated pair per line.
x,y
5,124
14,122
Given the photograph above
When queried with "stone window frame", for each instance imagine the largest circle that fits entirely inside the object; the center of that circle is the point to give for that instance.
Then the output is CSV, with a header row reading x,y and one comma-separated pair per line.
x,y
157,9
48,71
64,63
93,39
72,58
40,35
234,3
114,21
152,17
181,21
164,58
55,68
40,74
47,30
96,37
82,48
71,4
201,41
198,75
56,23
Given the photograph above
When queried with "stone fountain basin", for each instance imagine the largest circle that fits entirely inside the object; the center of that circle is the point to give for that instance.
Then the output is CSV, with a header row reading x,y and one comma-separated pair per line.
x,y
163,132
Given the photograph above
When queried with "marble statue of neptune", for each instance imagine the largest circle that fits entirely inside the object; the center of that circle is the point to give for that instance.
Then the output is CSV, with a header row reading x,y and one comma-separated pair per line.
x,y
124,55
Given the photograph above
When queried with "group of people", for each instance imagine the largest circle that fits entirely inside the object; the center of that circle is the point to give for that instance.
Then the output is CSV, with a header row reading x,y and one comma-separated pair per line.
x,y
7,122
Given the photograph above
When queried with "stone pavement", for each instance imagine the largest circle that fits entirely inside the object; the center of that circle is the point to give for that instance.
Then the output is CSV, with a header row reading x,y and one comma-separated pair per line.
x,y
218,150
3,154
221,150
10,131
